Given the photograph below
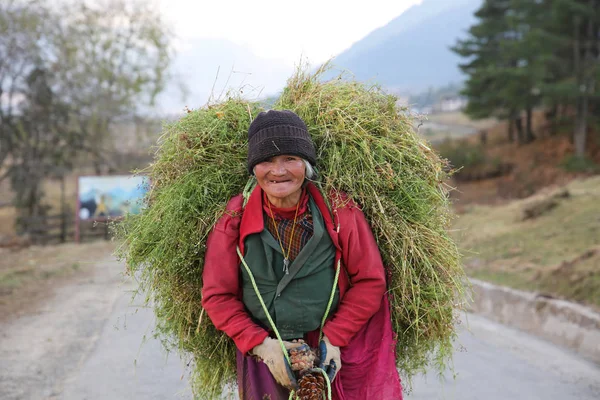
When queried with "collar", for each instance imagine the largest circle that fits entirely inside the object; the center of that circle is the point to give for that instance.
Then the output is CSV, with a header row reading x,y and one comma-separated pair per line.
x,y
286,213
253,221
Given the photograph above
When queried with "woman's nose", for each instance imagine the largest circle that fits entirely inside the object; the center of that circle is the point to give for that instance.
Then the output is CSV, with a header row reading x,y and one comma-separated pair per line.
x,y
278,168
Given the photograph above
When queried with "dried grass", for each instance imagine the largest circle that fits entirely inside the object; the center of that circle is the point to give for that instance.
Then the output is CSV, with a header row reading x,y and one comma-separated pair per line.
x,y
366,147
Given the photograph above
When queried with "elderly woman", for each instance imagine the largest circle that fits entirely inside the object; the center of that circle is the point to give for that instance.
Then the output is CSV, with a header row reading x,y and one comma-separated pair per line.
x,y
283,244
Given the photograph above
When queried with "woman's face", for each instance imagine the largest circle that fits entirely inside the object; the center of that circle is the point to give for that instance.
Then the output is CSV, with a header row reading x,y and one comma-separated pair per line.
x,y
281,177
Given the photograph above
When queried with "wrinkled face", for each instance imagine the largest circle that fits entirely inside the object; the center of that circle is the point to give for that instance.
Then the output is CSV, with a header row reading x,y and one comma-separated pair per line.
x,y
281,177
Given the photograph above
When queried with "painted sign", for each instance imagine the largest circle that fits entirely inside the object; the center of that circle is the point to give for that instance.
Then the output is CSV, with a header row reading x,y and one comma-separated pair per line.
x,y
103,197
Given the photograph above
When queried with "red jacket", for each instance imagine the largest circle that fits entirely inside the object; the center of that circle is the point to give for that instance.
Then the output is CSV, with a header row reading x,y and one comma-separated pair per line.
x,y
362,286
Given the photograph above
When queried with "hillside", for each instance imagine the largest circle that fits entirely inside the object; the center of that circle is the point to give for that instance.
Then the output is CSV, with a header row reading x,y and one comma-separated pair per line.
x,y
556,252
535,225
496,171
411,53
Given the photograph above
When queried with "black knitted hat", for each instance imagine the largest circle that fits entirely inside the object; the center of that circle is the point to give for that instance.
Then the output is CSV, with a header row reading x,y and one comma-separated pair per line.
x,y
274,133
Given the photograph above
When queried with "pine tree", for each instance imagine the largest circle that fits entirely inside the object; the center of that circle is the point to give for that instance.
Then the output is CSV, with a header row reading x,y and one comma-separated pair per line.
x,y
574,30
529,50
485,49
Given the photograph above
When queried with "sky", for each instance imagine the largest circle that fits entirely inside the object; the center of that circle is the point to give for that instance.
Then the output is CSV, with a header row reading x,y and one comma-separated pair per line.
x,y
314,30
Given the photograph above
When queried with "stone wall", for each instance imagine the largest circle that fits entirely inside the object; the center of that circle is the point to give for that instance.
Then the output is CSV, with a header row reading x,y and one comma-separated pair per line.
x,y
560,322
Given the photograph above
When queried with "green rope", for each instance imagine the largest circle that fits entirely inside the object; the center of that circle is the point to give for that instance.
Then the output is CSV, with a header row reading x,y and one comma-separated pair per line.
x,y
331,297
328,383
262,303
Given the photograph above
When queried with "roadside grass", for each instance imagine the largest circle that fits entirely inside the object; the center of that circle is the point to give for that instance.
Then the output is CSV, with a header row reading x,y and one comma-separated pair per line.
x,y
581,283
34,263
17,277
557,253
30,275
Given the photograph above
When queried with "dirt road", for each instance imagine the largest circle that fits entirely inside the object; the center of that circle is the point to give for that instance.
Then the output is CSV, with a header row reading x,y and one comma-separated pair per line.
x,y
43,354
87,343
38,351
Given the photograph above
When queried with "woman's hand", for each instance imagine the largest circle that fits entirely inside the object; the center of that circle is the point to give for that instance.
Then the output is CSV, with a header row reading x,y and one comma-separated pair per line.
x,y
331,361
270,352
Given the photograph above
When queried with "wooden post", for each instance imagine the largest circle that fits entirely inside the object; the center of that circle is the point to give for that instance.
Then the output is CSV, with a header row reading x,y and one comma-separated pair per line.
x,y
77,206
63,211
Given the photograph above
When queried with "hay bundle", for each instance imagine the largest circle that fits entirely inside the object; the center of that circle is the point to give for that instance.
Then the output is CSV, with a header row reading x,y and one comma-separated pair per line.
x,y
365,148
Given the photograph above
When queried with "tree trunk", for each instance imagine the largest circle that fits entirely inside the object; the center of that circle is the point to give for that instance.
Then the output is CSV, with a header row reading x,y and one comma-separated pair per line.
x,y
580,128
63,211
529,136
511,131
519,126
33,199
586,81
580,135
97,167
551,119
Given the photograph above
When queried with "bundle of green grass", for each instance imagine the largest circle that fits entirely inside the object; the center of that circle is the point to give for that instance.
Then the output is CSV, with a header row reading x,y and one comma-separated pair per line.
x,y
366,148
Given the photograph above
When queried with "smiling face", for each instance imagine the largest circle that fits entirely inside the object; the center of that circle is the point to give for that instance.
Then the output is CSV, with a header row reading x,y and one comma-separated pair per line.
x,y
281,177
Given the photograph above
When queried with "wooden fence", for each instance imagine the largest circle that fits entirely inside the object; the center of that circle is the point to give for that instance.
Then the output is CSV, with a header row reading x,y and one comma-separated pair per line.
x,y
60,228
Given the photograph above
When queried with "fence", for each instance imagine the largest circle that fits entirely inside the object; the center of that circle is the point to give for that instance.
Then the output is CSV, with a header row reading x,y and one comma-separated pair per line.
x,y
60,228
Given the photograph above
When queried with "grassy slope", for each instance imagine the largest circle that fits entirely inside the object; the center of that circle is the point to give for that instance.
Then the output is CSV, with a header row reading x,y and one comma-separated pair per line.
x,y
557,253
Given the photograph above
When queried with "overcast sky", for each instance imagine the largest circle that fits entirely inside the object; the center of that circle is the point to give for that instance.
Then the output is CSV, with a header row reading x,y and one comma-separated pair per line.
x,y
280,29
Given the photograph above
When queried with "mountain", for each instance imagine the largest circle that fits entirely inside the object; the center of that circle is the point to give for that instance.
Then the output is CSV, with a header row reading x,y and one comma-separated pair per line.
x,y
409,54
412,52
208,68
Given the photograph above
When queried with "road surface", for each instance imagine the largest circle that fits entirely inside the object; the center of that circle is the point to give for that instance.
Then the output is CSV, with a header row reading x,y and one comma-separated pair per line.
x,y
91,343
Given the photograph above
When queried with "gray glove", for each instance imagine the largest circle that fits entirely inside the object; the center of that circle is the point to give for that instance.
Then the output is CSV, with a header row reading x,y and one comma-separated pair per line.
x,y
269,351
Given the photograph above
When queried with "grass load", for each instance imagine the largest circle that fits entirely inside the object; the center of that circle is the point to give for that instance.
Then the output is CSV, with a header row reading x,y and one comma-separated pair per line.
x,y
367,148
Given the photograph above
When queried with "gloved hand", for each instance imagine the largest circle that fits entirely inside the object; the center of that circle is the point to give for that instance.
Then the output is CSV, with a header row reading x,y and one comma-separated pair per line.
x,y
269,351
330,358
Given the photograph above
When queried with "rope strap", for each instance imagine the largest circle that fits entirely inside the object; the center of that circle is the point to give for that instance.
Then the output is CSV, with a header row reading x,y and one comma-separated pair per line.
x,y
331,297
262,303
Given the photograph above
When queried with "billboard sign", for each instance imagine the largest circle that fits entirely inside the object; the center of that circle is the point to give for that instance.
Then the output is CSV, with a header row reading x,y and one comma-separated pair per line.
x,y
103,197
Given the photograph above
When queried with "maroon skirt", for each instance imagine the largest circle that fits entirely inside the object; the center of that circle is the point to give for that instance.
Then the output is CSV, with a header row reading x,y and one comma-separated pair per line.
x,y
255,381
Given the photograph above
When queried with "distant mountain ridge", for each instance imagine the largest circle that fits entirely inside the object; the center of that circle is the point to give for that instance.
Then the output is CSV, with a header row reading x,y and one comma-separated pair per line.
x,y
409,55
208,68
412,52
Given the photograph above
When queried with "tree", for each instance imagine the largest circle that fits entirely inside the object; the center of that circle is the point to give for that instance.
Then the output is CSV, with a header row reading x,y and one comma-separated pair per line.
x,y
65,76
44,145
113,59
485,51
22,27
526,53
574,61
528,50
